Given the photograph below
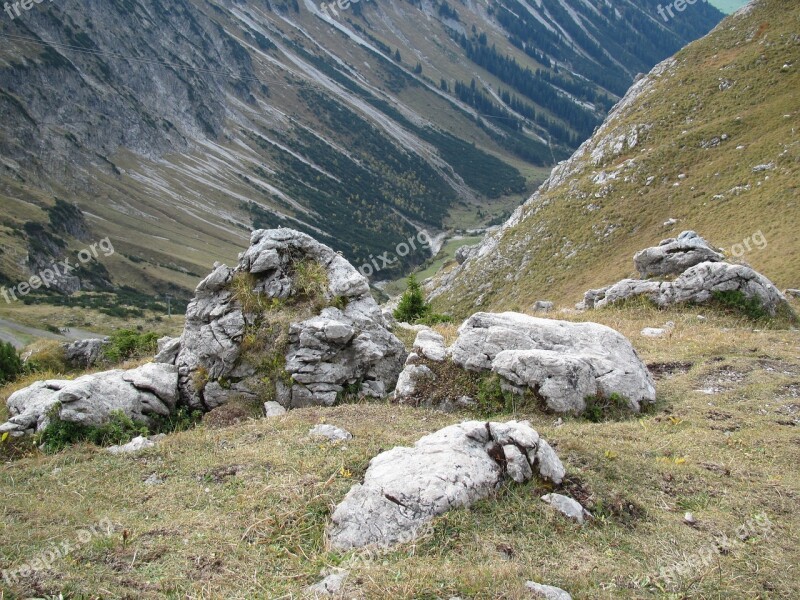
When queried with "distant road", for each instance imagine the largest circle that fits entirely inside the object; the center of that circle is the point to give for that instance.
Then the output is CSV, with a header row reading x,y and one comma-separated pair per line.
x,y
22,335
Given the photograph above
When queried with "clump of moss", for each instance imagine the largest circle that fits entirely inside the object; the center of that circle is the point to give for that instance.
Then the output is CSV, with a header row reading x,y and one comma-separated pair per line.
x,y
601,408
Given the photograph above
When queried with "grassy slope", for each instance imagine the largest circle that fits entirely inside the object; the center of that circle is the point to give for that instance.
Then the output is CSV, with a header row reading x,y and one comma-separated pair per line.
x,y
561,248
242,510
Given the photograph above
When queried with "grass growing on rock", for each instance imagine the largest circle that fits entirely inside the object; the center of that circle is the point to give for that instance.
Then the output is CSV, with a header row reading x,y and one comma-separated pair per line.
x,y
241,511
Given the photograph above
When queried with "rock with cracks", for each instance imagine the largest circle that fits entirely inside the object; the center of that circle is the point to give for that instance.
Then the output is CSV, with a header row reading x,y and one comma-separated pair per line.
x,y
404,488
561,362
341,344
674,255
701,272
90,400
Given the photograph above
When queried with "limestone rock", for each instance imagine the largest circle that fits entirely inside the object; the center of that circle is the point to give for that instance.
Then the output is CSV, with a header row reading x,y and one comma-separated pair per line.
x,y
331,432
404,488
567,507
273,409
345,343
429,344
548,592
82,354
331,585
89,400
135,445
409,379
562,362
673,256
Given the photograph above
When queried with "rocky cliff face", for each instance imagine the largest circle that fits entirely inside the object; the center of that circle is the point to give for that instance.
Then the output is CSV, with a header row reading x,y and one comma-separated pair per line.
x,y
174,123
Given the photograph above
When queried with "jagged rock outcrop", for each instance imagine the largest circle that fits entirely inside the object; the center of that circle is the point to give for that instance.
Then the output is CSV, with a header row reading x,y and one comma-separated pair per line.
x,y
404,488
315,346
148,391
696,284
560,362
82,354
674,255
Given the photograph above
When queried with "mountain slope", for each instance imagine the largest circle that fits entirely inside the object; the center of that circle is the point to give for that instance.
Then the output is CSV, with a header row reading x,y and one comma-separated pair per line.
x,y
709,138
177,127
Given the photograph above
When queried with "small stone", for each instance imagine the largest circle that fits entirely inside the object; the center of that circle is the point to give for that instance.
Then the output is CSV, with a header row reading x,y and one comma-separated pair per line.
x,y
543,306
333,433
548,592
567,506
135,445
653,332
689,519
332,584
273,409
153,479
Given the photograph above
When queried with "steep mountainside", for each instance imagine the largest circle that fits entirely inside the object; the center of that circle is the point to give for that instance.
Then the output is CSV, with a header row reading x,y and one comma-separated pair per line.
x,y
177,127
709,140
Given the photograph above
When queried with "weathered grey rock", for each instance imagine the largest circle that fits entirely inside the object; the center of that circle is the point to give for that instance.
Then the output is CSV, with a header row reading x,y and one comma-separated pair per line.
x,y
168,348
560,361
795,293
410,378
653,332
82,354
550,466
331,432
548,592
331,585
325,353
135,445
465,252
139,393
273,409
430,345
542,306
673,256
696,285
404,488
567,506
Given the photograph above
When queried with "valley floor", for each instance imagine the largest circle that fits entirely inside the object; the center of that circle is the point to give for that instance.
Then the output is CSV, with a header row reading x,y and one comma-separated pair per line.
x,y
240,511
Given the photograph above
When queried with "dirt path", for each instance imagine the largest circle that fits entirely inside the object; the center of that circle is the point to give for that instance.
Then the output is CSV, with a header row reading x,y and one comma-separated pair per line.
x,y
22,335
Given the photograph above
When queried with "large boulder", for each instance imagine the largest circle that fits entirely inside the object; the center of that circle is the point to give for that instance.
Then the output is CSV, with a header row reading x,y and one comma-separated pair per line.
x,y
696,285
674,255
142,393
701,274
561,362
293,312
404,488
82,354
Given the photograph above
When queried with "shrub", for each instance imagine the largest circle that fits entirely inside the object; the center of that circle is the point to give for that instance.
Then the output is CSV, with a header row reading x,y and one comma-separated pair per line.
x,y
10,362
600,408
127,343
736,301
59,434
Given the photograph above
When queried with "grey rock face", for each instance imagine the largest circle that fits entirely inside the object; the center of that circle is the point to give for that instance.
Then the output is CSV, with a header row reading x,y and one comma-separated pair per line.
x,y
89,400
404,488
273,409
562,362
168,348
674,255
82,354
429,344
695,285
567,507
548,592
342,345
